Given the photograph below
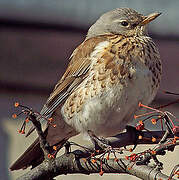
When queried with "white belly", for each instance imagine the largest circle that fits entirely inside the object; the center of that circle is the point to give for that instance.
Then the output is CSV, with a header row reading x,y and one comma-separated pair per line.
x,y
109,112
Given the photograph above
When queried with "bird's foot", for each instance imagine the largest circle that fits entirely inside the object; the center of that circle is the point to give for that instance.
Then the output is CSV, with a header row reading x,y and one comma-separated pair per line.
x,y
100,143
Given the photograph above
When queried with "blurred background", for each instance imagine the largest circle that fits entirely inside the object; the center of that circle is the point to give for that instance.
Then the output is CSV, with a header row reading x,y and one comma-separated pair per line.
x,y
36,40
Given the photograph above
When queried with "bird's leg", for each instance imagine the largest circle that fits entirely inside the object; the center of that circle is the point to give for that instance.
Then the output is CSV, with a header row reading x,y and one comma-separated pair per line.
x,y
67,147
135,133
99,143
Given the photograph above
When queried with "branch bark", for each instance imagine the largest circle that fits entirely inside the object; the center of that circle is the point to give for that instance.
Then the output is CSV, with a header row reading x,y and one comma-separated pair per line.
x,y
74,162
70,164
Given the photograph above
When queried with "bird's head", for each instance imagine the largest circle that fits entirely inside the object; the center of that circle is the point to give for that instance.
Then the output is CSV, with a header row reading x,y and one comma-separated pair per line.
x,y
122,21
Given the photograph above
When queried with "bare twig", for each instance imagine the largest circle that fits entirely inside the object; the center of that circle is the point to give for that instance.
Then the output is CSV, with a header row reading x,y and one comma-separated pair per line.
x,y
42,139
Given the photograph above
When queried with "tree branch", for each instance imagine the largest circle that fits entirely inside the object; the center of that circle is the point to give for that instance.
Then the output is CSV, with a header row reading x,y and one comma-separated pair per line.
x,y
75,162
70,164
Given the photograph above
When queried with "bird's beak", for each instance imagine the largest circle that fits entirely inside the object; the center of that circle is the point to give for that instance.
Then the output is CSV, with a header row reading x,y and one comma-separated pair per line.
x,y
150,18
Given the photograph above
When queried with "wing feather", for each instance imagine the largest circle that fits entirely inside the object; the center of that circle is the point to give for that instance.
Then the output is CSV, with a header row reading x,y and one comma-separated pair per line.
x,y
77,70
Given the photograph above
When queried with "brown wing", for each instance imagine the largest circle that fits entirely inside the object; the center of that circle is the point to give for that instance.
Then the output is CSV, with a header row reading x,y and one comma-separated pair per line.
x,y
76,71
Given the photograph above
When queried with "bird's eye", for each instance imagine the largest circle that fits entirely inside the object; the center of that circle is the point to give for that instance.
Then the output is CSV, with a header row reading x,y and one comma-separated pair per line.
x,y
124,23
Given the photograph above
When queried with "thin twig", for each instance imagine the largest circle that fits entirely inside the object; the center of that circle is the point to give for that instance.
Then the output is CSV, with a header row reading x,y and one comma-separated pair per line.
x,y
42,139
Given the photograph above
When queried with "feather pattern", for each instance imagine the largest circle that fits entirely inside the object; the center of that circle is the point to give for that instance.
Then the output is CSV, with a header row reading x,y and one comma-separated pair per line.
x,y
76,72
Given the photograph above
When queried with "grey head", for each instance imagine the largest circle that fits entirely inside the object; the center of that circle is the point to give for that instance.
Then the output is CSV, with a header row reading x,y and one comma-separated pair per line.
x,y
121,21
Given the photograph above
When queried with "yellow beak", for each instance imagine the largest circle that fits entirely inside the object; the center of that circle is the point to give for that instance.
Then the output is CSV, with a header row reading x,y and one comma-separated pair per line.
x,y
150,18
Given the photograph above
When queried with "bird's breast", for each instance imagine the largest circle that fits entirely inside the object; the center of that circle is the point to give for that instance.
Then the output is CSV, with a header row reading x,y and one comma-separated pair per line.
x,y
106,106
108,97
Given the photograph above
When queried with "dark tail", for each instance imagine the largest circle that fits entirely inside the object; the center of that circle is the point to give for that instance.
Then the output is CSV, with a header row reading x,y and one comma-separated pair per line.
x,y
31,157
34,155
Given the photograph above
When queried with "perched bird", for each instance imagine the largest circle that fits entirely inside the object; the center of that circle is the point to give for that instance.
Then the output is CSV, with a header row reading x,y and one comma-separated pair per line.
x,y
110,72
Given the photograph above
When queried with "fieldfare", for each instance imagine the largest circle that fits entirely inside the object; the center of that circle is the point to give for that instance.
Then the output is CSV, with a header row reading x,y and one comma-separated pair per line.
x,y
110,72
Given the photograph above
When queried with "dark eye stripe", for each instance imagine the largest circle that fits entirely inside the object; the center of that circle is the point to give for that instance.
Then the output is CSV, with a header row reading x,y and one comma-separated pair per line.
x,y
134,25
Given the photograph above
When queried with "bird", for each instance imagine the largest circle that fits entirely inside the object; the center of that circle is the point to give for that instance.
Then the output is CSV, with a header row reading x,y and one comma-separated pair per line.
x,y
116,66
